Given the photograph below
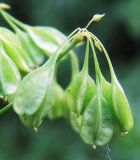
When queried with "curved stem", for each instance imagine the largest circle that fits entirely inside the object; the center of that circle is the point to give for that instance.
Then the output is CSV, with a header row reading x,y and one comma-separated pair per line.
x,y
13,26
85,65
6,108
74,64
97,68
107,57
17,22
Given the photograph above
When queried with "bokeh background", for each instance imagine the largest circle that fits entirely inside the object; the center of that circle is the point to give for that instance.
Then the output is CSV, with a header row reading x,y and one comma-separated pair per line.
x,y
120,33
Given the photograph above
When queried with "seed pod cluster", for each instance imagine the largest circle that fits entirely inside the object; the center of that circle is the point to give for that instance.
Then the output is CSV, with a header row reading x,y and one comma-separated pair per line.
x,y
107,105
21,53
28,59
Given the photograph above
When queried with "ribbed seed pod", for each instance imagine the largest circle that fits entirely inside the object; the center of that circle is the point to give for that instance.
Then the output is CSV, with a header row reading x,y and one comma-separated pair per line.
x,y
96,127
17,54
97,121
121,105
81,89
47,39
35,53
33,105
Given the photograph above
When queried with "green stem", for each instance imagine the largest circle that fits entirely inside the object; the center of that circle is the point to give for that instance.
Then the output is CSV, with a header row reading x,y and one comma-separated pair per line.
x,y
74,64
85,65
13,26
69,46
20,24
97,68
6,108
113,76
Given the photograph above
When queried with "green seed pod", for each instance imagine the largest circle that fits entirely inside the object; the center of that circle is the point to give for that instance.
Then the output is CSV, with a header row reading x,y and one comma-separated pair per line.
x,y
97,123
47,39
121,107
17,54
8,35
76,121
33,52
9,75
37,86
97,127
33,106
81,89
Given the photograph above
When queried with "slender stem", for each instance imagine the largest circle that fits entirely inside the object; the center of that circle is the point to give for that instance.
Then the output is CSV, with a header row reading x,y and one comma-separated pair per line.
x,y
68,46
107,57
8,20
85,65
97,68
74,64
6,108
17,22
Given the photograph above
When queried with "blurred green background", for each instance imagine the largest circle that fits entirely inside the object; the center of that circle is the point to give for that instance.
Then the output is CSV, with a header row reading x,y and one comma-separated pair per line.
x,y
120,33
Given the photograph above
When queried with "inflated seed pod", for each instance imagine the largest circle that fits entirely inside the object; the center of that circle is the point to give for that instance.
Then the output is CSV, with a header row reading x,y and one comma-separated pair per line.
x,y
75,121
97,127
121,105
38,98
8,35
46,38
9,75
35,53
33,106
81,89
97,121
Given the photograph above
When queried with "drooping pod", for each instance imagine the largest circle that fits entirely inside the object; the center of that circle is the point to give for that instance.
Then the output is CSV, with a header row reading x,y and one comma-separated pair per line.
x,y
121,105
9,75
47,39
37,100
35,53
33,106
97,127
81,89
97,121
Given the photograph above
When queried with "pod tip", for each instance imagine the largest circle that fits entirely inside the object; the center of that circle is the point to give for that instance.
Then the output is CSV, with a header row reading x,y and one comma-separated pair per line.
x,y
35,129
94,146
98,17
4,6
